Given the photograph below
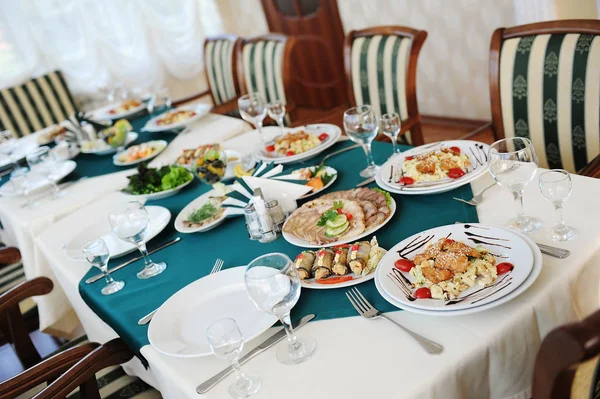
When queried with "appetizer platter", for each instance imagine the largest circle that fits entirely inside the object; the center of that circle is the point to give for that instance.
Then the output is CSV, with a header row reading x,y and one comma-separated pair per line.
x,y
101,147
190,157
202,214
341,266
338,218
434,168
139,153
300,143
157,183
176,118
119,110
51,133
318,177
456,269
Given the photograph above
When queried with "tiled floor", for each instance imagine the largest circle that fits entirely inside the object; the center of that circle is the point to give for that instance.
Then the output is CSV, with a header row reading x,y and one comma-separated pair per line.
x,y
9,363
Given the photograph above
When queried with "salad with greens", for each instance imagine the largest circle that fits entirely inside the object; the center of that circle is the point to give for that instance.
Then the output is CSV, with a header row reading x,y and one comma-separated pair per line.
x,y
154,180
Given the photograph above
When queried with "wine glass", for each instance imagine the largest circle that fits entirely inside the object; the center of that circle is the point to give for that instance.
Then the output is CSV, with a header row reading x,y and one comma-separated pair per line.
x,y
274,286
513,163
276,111
226,341
130,222
361,127
96,252
556,186
390,126
211,167
19,178
43,162
253,110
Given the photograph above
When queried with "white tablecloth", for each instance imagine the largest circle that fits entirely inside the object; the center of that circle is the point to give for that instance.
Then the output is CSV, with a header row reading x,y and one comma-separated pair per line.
x,y
21,226
487,354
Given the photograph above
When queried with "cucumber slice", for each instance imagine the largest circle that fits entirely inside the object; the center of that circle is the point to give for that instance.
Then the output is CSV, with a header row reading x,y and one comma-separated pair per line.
x,y
337,231
336,222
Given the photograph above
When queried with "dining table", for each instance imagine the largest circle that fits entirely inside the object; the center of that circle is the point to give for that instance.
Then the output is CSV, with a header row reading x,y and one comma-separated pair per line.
x,y
486,354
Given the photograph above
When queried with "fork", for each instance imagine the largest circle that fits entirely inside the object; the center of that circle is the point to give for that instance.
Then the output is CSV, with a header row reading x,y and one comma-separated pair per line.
x,y
368,311
476,200
146,319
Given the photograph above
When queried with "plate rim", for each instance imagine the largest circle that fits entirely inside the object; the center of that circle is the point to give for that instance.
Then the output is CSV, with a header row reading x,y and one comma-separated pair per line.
x,y
311,194
167,193
200,109
148,157
111,150
104,111
178,222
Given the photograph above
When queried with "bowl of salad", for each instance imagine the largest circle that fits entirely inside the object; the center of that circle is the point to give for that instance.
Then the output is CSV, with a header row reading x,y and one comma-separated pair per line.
x,y
158,183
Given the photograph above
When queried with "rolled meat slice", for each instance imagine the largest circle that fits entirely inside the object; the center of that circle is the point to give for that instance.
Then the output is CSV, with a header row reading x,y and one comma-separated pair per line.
x,y
359,256
340,262
304,263
322,268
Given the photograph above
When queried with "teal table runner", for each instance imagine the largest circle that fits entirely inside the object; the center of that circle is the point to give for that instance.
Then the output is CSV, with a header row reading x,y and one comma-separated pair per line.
x,y
194,256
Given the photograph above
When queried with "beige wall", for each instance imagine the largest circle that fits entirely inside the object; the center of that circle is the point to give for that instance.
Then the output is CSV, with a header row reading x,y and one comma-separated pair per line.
x,y
576,9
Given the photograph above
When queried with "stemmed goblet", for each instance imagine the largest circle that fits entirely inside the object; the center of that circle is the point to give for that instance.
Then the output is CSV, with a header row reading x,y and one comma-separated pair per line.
x,y
390,126
96,252
43,162
361,126
19,178
253,110
276,111
556,186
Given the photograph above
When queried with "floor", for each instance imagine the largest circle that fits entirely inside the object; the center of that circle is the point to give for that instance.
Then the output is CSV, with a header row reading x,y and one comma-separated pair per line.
x,y
10,364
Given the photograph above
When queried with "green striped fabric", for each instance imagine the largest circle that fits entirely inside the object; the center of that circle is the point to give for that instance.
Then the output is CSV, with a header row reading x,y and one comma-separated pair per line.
x,y
379,65
218,60
550,93
35,104
11,276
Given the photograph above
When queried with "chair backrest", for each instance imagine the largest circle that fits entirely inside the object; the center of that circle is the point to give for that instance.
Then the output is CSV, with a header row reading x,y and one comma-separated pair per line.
x,y
545,85
381,70
220,66
36,104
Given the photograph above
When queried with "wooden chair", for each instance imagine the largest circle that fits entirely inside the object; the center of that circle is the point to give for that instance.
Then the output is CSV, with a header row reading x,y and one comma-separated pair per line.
x,y
567,365
545,85
381,70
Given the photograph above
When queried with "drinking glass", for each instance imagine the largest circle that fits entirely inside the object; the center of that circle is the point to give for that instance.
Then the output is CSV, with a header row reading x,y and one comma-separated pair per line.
x,y
513,163
390,126
274,286
163,97
96,252
252,109
20,181
43,162
130,222
361,127
276,112
8,142
556,188
225,340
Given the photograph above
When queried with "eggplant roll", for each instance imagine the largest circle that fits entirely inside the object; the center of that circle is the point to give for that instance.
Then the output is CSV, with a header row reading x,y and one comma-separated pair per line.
x,y
322,268
340,262
359,256
304,263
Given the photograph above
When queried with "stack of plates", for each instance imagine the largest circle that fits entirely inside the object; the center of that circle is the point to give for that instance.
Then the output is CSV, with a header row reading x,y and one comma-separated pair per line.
x,y
506,245
476,151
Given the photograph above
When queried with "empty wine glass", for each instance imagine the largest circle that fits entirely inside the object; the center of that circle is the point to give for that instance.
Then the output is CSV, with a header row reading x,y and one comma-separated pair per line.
x,y
361,127
96,252
130,222
226,341
556,188
252,109
19,178
513,163
43,162
390,126
274,286
276,111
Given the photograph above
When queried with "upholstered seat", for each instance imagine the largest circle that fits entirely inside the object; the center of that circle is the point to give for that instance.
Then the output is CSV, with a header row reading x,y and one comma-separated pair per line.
x,y
219,64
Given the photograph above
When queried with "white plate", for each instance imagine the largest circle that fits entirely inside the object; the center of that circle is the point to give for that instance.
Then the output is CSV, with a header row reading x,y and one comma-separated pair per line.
x,y
305,244
329,170
189,208
519,254
103,113
159,195
333,131
159,219
40,139
179,326
38,183
19,151
229,171
199,109
131,137
383,172
159,146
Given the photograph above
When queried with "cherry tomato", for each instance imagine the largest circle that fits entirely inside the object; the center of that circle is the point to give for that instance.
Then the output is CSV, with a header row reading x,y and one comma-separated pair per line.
x,y
299,256
423,293
323,136
290,153
355,247
406,180
449,240
404,265
270,148
348,216
335,280
455,150
112,111
340,211
504,267
455,173
409,158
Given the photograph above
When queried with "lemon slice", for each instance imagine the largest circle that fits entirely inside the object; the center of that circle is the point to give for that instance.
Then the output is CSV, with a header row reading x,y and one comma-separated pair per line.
x,y
239,171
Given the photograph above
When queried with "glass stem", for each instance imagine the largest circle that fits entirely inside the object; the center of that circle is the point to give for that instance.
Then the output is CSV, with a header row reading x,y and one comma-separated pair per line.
x,y
260,133
142,247
559,215
367,149
281,126
55,189
239,374
395,143
107,276
518,195
289,330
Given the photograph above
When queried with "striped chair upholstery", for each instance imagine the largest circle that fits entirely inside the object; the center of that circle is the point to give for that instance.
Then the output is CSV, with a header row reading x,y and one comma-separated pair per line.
x,y
35,104
218,61
378,70
550,92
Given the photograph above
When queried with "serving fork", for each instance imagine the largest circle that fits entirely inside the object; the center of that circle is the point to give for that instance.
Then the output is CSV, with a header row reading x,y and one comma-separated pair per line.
x,y
476,200
368,311
146,319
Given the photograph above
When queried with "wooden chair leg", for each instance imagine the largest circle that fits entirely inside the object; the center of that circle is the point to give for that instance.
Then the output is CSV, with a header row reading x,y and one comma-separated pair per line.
x,y
19,334
89,389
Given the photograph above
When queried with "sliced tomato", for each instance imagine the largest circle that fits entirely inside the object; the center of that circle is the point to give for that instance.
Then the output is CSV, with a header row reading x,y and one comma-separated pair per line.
x,y
504,267
335,280
348,216
290,153
404,265
455,150
423,293
300,256
355,247
270,148
409,158
406,180
323,136
340,211
455,173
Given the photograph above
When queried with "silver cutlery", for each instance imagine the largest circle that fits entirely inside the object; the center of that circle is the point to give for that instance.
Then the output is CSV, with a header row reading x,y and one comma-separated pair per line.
x,y
326,157
368,311
49,193
266,344
146,319
130,261
476,200
365,182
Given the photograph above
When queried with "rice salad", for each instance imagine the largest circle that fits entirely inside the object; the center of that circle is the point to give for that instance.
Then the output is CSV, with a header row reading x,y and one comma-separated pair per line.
x,y
434,166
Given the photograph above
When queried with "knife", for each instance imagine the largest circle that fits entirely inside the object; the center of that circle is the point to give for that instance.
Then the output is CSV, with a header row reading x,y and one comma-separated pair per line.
x,y
266,344
130,261
365,182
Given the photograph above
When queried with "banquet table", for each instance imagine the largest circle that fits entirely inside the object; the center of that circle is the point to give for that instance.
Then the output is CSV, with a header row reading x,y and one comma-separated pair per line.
x,y
21,226
487,354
